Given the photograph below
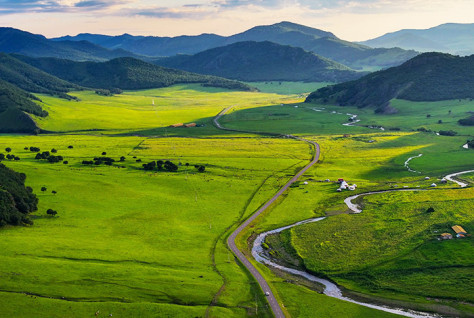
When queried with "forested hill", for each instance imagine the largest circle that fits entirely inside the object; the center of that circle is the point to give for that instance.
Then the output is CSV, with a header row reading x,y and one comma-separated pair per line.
x,y
21,42
16,200
32,79
125,73
427,77
14,104
262,61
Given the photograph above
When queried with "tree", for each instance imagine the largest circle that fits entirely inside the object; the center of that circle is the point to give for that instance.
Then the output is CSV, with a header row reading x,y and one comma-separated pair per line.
x,y
53,192
428,115
43,189
104,153
201,169
65,162
440,121
70,147
8,149
2,156
54,150
430,210
51,212
122,159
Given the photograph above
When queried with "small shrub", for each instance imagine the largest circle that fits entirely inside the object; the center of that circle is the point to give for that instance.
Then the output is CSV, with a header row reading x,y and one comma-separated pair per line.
x,y
51,212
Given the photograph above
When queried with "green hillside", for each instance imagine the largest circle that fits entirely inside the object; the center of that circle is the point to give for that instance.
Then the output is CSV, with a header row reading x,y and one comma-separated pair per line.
x,y
125,73
262,61
427,77
14,104
32,79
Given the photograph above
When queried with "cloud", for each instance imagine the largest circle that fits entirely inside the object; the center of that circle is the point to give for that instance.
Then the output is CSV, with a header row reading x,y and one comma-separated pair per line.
x,y
44,6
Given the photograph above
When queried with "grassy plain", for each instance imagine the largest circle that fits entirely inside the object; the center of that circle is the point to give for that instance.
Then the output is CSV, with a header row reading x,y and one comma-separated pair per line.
x,y
123,235
136,244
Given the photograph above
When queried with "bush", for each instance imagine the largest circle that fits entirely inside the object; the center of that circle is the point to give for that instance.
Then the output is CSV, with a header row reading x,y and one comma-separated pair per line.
x,y
430,210
34,149
201,169
447,133
51,212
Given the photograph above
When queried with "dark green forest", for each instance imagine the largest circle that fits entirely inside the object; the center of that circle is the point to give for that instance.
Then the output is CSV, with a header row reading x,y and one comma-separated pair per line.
x,y
16,200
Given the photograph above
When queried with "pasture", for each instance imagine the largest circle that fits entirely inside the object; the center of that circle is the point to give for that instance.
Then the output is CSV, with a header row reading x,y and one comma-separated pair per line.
x,y
136,243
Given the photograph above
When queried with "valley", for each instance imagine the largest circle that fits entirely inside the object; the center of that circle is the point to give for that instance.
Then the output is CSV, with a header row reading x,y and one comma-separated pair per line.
x,y
280,171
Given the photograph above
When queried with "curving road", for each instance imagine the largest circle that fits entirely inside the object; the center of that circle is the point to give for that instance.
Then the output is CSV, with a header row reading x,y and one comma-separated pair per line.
x,y
277,311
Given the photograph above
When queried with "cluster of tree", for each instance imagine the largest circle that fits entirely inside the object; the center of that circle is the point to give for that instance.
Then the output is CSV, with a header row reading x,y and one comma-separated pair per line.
x,y
470,144
469,121
450,77
99,160
108,92
200,168
49,157
447,133
16,200
9,157
160,165
34,149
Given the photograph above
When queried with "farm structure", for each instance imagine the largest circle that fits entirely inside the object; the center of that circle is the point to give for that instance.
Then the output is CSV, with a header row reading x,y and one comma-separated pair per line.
x,y
445,236
345,186
460,232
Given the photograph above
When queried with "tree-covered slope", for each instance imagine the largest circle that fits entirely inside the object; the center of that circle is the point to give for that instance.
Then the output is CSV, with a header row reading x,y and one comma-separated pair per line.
x,y
32,79
262,61
21,42
427,77
16,200
14,104
125,73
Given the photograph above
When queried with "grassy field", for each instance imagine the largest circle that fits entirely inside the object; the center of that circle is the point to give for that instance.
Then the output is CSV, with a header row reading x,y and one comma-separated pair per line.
x,y
134,113
288,88
135,243
123,235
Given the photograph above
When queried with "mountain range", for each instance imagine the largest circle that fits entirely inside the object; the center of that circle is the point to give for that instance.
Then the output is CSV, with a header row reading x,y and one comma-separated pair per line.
x,y
314,40
427,77
262,61
454,38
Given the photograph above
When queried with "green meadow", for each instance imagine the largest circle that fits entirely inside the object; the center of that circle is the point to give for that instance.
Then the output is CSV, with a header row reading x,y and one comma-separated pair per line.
x,y
136,243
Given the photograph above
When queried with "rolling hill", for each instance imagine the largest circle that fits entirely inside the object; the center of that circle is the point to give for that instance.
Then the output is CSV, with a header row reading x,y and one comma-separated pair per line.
x,y
32,79
317,41
125,73
427,77
21,42
262,61
454,38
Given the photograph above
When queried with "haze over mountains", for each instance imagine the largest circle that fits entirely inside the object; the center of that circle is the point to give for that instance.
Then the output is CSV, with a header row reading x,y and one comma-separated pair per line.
x,y
454,38
317,41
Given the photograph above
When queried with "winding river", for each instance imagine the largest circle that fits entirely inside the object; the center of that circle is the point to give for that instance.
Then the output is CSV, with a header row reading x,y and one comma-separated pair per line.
x,y
332,289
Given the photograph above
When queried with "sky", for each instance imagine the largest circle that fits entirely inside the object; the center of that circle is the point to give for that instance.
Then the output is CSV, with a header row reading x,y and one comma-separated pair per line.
x,y
353,20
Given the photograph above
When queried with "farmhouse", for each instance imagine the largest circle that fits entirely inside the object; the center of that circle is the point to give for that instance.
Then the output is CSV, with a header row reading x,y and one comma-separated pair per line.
x,y
190,125
445,236
177,125
460,232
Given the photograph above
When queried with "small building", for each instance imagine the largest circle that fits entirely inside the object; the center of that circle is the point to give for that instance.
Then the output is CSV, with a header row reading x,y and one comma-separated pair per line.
x,y
351,188
459,230
433,185
190,125
444,180
427,178
305,183
177,125
340,180
445,236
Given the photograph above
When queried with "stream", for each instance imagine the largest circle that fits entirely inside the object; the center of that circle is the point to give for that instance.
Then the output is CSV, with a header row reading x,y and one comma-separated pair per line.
x,y
331,289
